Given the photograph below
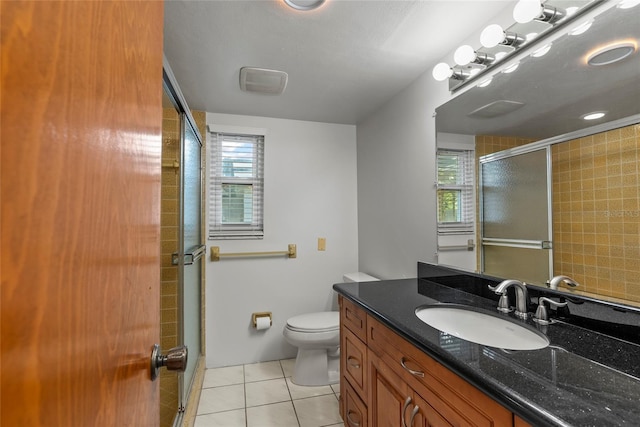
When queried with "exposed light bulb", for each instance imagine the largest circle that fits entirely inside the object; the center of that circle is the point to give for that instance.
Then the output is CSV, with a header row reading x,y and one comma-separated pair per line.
x,y
594,116
442,71
485,83
492,36
542,51
511,68
580,29
527,10
464,55
628,4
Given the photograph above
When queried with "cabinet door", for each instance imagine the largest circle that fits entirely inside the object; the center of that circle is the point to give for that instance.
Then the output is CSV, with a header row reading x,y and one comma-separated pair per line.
x,y
389,396
425,415
355,361
355,411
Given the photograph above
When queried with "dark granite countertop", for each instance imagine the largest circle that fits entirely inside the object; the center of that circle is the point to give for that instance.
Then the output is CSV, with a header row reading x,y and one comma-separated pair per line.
x,y
583,378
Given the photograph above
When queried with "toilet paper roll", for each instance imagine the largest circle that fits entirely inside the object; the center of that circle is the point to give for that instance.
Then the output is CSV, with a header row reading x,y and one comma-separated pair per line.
x,y
263,323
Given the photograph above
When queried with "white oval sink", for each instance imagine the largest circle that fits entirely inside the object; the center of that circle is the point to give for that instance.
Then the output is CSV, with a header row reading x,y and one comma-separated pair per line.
x,y
481,328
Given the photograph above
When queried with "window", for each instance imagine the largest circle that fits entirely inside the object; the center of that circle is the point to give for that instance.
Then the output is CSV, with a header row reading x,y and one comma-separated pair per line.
x,y
236,186
455,191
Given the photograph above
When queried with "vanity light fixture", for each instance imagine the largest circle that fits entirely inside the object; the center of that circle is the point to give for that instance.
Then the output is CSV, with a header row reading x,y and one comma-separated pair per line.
x,y
304,4
494,35
465,54
594,116
528,10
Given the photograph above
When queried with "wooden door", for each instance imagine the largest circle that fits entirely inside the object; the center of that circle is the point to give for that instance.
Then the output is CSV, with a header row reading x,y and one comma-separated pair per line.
x,y
81,138
388,395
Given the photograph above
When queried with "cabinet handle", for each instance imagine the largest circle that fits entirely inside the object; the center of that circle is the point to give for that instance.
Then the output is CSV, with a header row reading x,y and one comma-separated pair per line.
x,y
350,361
415,411
411,371
350,420
404,409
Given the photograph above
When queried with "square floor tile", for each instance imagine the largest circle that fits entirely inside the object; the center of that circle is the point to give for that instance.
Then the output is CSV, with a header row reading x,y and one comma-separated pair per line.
x,y
287,366
262,371
276,415
336,388
265,392
300,392
317,411
222,419
218,399
223,376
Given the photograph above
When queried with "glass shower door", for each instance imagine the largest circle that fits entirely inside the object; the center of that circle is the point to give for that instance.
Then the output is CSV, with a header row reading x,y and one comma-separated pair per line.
x,y
516,216
192,250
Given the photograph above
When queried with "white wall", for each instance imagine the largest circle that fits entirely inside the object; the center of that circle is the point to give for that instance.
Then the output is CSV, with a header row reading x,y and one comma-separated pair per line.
x,y
396,182
310,192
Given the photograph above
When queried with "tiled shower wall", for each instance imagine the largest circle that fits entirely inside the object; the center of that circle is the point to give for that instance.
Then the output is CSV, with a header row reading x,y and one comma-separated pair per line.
x,y
596,212
169,245
596,208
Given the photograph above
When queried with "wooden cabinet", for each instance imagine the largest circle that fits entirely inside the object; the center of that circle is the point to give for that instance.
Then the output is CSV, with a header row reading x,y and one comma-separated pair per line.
x,y
388,382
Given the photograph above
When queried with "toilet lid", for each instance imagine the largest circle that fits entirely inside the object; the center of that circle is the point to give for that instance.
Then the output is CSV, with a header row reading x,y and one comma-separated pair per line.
x,y
315,322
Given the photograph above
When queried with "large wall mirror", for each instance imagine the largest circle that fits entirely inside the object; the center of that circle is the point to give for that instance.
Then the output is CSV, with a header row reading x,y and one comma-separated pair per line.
x,y
594,172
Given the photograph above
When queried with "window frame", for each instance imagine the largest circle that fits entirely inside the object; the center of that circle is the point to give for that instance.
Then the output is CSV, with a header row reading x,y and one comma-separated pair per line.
x,y
217,229
465,185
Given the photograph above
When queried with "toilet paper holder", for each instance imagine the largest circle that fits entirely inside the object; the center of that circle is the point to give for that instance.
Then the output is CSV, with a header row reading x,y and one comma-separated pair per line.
x,y
255,316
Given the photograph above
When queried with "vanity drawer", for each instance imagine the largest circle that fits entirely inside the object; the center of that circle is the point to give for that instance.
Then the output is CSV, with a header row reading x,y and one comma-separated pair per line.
x,y
454,398
355,361
353,318
355,411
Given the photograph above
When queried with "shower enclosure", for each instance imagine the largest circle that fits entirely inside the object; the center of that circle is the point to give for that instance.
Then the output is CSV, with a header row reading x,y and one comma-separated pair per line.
x,y
181,246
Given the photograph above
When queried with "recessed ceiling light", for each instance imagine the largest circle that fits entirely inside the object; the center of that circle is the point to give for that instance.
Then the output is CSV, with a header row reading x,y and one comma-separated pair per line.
x,y
304,4
593,116
611,53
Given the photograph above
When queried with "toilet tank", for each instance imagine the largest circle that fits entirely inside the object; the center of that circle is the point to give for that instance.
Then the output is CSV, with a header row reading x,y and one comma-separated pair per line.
x,y
358,277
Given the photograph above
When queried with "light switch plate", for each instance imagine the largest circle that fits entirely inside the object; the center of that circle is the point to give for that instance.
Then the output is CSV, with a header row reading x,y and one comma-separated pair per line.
x,y
322,243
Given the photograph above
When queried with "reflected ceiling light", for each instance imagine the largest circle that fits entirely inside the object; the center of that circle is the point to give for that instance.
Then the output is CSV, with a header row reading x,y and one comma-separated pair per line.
x,y
627,4
580,29
304,4
511,68
528,10
494,35
542,51
485,83
465,54
612,53
594,116
442,72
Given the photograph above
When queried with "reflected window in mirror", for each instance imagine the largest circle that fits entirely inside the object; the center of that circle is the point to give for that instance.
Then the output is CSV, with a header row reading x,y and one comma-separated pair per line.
x,y
455,191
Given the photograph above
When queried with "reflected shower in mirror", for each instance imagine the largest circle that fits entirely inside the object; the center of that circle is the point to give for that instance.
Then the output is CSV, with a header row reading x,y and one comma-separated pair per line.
x,y
595,194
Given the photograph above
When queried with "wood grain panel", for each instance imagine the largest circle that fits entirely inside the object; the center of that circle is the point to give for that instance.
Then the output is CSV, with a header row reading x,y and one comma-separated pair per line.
x,y
81,137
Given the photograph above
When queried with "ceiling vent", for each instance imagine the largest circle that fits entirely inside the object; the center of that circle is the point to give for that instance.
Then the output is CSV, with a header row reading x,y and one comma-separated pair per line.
x,y
262,80
495,109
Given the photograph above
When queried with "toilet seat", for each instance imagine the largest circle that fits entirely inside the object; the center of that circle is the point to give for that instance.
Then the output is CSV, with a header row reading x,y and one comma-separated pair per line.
x,y
326,321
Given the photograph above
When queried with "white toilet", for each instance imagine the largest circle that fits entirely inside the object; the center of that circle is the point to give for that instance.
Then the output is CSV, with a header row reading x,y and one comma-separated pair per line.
x,y
317,336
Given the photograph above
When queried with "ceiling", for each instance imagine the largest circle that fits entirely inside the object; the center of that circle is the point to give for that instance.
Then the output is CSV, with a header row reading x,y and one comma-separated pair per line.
x,y
344,60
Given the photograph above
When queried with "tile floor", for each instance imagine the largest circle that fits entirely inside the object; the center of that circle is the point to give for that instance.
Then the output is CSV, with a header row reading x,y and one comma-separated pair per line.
x,y
262,395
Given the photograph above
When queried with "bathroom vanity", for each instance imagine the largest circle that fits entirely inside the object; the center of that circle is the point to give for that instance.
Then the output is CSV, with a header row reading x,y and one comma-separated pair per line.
x,y
398,371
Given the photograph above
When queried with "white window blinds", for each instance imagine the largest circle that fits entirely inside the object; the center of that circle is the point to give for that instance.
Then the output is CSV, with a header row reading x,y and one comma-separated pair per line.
x,y
236,185
455,191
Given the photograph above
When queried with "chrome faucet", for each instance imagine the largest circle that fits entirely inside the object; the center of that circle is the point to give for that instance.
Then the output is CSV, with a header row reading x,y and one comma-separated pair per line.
x,y
522,296
554,282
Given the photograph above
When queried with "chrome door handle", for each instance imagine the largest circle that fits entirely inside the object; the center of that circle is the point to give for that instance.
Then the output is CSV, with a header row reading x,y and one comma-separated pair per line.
x,y
404,409
415,411
353,362
190,257
411,371
174,360
350,420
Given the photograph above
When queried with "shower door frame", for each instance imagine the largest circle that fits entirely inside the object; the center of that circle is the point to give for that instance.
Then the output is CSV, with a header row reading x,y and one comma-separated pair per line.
x,y
172,89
